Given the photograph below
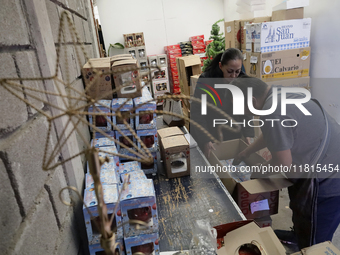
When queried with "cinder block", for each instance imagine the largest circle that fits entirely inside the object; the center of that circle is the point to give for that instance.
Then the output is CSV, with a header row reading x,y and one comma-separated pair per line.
x,y
78,23
28,66
53,186
66,31
40,234
10,217
53,15
68,241
88,35
13,29
25,149
9,104
68,63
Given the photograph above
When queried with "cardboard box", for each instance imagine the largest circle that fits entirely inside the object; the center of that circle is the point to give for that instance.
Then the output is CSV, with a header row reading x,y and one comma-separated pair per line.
x,y
132,51
149,138
96,249
143,65
133,176
321,248
278,65
249,194
167,132
264,221
110,193
193,83
119,57
125,106
141,53
172,49
128,167
152,60
176,156
243,24
126,77
160,74
122,139
129,40
232,34
102,142
102,122
303,82
107,177
143,244
97,76
142,104
263,240
160,86
138,39
110,152
296,13
138,202
150,168
188,66
278,35
162,60
196,37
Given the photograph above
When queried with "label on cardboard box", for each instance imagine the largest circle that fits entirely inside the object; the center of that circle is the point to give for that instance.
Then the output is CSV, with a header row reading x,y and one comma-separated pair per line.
x,y
228,29
259,206
253,59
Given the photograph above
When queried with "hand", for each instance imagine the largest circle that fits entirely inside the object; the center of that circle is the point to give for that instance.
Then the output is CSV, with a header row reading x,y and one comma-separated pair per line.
x,y
241,157
248,140
208,148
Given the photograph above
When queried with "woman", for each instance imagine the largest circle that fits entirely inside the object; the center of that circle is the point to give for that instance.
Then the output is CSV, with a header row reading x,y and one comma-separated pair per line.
x,y
226,65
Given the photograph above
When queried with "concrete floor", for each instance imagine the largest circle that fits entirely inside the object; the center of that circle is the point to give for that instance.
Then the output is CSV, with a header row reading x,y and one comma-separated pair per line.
x,y
283,220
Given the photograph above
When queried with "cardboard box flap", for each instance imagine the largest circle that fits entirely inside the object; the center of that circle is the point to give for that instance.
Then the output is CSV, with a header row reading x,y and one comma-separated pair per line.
x,y
174,141
266,185
125,62
98,64
167,132
121,56
321,248
191,60
265,239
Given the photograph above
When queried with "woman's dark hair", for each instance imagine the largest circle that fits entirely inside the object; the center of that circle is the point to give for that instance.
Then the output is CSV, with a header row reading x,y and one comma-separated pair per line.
x,y
224,57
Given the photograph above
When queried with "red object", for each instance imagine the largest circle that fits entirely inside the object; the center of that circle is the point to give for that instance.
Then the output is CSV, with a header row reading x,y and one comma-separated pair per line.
x,y
198,47
154,207
196,37
142,214
146,249
155,157
208,41
199,51
117,164
171,49
119,213
188,152
156,242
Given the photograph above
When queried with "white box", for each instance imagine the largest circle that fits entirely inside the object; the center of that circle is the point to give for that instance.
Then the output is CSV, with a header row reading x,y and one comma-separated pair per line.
x,y
160,87
291,4
160,74
278,35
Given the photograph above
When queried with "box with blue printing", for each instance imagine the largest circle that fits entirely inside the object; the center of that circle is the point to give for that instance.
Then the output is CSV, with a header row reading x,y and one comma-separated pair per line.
x,y
122,139
112,165
150,168
110,193
133,176
138,202
142,244
107,177
145,103
109,151
124,105
96,249
102,142
149,138
101,121
108,133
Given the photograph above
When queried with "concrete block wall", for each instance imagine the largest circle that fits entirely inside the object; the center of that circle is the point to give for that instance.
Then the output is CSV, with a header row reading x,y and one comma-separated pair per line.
x,y
33,220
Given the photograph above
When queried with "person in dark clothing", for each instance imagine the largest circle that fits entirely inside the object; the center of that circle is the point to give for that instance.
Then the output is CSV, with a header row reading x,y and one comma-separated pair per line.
x,y
310,149
223,68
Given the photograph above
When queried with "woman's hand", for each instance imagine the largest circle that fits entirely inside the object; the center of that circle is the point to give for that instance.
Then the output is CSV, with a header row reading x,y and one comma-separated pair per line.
x,y
208,148
248,140
241,157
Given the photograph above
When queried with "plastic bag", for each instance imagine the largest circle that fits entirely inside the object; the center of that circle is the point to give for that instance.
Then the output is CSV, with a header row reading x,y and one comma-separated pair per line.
x,y
204,239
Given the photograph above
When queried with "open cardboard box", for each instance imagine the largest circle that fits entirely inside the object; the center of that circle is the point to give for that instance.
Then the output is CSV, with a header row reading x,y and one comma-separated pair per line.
x,y
263,238
256,198
321,248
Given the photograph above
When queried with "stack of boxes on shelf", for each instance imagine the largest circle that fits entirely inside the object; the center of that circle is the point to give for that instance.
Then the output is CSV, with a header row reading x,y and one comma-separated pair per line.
x,y
186,48
173,52
275,50
199,46
160,75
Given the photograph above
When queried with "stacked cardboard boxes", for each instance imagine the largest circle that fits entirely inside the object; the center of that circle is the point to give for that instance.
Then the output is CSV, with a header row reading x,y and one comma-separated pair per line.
x,y
159,74
173,52
199,46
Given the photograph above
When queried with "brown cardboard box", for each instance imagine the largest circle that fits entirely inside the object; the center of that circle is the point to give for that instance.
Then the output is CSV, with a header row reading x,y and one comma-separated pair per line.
x,y
296,13
321,248
243,24
303,82
120,57
167,132
264,238
264,221
101,85
187,66
248,194
139,39
232,34
278,65
176,156
126,74
193,83
129,40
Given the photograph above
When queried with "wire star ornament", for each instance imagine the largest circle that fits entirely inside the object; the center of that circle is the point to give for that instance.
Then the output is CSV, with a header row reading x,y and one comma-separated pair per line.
x,y
71,104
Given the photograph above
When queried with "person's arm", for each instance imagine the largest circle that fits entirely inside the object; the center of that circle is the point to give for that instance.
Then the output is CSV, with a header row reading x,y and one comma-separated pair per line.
x,y
257,145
